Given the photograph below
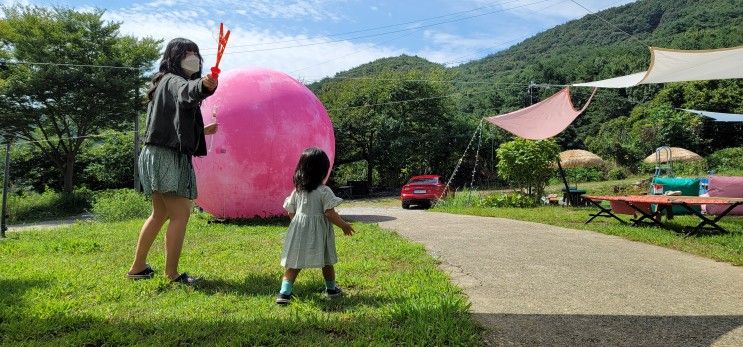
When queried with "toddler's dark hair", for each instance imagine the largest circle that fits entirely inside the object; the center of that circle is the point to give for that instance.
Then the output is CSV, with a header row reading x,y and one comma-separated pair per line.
x,y
311,170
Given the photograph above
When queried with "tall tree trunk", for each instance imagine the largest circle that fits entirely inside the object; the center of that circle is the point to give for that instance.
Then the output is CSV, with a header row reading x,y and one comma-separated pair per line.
x,y
69,172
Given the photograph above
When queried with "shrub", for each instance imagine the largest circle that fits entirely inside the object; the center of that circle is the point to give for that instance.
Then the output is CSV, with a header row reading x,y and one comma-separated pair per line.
x,y
726,160
30,169
618,173
680,168
110,161
120,204
508,200
583,174
33,207
527,165
463,198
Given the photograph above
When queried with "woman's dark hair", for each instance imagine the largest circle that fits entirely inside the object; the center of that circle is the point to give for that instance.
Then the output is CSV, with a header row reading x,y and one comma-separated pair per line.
x,y
311,170
175,51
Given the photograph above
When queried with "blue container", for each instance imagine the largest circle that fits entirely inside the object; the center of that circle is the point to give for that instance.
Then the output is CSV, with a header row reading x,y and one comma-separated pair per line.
x,y
703,182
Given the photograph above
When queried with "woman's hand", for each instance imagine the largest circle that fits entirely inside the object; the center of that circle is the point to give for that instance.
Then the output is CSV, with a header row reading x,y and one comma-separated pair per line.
x,y
209,82
211,129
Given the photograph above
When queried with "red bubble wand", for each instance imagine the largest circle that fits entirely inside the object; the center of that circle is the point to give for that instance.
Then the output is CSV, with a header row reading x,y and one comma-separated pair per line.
x,y
221,45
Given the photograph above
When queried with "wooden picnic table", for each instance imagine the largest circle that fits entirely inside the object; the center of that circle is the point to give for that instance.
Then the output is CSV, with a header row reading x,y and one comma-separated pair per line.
x,y
640,203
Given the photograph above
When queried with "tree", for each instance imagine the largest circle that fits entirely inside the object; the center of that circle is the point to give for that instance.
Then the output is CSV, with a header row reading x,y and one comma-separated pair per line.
x,y
375,121
660,122
57,106
110,161
527,164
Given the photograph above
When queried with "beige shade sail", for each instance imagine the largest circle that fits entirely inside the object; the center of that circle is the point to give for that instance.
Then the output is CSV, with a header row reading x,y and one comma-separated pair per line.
x,y
677,154
674,65
579,158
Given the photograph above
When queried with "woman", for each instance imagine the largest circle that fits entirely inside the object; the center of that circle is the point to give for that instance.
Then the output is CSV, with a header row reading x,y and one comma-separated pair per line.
x,y
175,133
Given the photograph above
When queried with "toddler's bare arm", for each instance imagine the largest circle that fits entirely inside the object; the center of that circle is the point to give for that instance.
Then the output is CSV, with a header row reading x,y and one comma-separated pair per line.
x,y
336,219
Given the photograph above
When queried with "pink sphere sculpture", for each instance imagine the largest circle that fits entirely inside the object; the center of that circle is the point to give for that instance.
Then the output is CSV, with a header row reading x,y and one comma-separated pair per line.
x,y
266,119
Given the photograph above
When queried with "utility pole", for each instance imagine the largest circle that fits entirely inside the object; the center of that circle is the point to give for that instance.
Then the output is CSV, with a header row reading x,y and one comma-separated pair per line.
x,y
4,217
531,95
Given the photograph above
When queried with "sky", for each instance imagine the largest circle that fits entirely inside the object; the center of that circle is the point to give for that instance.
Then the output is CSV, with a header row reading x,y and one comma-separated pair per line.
x,y
312,39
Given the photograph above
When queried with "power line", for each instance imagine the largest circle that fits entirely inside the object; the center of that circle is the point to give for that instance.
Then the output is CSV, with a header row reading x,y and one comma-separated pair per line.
x,y
544,85
384,33
347,55
110,134
458,60
610,23
377,27
395,38
369,29
72,65
406,100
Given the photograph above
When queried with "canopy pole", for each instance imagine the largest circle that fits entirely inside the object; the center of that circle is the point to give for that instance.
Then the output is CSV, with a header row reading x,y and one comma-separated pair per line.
x,y
562,175
570,199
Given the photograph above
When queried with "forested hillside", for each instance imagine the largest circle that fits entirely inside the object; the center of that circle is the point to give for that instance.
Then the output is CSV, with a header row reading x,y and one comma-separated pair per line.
x,y
591,49
623,125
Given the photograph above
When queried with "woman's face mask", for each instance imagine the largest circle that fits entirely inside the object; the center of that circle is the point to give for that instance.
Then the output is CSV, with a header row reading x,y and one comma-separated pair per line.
x,y
191,64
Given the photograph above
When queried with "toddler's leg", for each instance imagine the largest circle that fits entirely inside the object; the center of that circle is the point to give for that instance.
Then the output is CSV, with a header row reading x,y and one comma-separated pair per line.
x,y
287,286
328,272
331,290
290,275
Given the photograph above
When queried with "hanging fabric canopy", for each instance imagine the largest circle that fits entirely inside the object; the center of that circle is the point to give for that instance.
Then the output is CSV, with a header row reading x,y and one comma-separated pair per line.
x,y
718,116
671,65
541,120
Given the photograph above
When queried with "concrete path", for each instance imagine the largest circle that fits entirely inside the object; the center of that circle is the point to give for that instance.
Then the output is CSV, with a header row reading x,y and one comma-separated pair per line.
x,y
49,224
533,284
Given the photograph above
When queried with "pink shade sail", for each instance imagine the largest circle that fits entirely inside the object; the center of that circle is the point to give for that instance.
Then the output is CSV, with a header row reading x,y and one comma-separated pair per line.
x,y
541,120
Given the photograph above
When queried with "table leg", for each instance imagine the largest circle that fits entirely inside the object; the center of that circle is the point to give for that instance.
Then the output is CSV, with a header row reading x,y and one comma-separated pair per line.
x,y
707,221
603,212
643,215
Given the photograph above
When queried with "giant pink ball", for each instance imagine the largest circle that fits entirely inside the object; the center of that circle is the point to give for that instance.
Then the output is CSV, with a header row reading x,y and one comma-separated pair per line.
x,y
266,119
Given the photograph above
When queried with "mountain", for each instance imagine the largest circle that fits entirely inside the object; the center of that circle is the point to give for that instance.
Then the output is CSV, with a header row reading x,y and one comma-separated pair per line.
x,y
606,44
400,63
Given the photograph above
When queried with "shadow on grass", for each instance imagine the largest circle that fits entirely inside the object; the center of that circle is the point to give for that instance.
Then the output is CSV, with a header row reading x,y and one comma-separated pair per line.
x,y
257,221
686,226
414,326
348,302
252,285
309,291
610,330
11,290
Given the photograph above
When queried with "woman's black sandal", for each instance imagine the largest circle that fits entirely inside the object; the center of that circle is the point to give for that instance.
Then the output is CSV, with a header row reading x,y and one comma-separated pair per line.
x,y
185,279
145,274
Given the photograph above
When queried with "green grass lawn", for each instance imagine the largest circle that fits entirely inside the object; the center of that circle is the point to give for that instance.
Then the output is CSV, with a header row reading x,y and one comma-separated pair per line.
x,y
67,287
723,247
625,186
